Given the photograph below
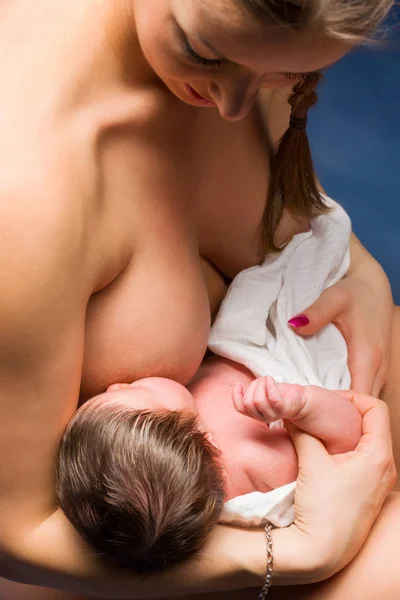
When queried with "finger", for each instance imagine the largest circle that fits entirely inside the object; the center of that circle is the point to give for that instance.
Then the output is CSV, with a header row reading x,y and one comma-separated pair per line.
x,y
376,437
363,402
365,362
286,400
267,399
237,397
272,391
310,450
376,444
371,373
254,400
330,304
362,375
376,423
379,381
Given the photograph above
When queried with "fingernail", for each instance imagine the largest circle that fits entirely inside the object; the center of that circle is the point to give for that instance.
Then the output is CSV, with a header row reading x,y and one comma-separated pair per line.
x,y
299,321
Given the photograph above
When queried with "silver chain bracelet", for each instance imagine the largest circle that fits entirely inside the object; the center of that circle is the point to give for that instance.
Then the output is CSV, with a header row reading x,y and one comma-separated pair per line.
x,y
270,561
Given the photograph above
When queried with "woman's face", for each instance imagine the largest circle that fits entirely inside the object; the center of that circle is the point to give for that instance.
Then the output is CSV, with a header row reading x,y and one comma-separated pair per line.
x,y
211,53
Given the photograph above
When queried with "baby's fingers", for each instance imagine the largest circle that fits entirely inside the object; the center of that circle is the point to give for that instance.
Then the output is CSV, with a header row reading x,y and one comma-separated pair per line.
x,y
256,400
237,398
244,401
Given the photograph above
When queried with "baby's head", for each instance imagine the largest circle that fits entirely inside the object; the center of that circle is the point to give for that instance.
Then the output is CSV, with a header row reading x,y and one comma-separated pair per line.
x,y
137,477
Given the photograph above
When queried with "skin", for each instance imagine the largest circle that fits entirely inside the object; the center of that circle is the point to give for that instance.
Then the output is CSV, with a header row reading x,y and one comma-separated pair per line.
x,y
105,241
223,395
256,60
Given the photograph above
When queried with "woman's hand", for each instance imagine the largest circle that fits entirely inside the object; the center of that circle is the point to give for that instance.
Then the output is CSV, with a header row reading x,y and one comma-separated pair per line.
x,y
338,497
361,307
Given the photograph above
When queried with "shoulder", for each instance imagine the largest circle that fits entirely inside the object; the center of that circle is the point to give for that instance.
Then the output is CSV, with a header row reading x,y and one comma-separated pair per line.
x,y
43,224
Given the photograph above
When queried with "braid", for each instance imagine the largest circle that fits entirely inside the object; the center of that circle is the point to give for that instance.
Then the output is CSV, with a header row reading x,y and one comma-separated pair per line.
x,y
293,185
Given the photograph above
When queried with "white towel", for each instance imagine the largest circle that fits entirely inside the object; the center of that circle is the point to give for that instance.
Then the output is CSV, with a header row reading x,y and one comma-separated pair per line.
x,y
256,509
251,327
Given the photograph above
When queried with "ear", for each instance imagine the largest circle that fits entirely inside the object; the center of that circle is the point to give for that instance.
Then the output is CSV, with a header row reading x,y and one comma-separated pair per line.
x,y
117,386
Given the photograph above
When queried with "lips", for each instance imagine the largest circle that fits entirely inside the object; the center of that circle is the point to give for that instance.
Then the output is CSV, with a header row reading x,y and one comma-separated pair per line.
x,y
198,97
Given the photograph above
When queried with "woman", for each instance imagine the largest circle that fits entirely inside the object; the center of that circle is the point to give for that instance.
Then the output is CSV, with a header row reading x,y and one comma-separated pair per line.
x,y
111,188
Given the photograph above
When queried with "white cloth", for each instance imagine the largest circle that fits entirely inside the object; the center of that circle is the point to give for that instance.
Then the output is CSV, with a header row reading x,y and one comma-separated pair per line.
x,y
257,509
251,327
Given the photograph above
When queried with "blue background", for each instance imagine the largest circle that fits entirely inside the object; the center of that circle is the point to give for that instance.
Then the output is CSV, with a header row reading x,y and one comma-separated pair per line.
x,y
355,138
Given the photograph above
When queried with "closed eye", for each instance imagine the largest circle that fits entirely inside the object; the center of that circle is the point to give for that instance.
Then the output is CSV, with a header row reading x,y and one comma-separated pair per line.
x,y
191,54
214,63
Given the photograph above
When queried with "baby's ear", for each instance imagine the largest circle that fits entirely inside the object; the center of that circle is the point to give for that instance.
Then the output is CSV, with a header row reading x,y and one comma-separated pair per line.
x,y
117,386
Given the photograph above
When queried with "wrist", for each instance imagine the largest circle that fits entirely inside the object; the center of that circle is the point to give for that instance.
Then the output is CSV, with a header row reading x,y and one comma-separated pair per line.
x,y
362,262
298,559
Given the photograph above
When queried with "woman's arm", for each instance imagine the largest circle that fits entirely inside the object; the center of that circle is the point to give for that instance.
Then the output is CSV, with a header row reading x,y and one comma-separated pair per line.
x,y
41,346
42,313
337,500
379,555
54,555
45,290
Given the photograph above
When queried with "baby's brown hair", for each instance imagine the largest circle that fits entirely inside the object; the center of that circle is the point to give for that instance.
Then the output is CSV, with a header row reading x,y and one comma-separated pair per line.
x,y
143,488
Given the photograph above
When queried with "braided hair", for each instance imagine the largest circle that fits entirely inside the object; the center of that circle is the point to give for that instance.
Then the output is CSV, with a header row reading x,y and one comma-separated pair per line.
x,y
293,184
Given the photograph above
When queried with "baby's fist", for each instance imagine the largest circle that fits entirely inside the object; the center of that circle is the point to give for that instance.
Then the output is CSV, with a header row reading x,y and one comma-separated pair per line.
x,y
266,401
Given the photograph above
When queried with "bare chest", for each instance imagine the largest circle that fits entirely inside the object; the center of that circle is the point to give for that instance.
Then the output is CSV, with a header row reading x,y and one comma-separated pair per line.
x,y
232,176
154,318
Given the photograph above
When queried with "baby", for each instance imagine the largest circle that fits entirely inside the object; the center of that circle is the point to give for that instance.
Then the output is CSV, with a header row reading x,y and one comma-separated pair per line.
x,y
145,468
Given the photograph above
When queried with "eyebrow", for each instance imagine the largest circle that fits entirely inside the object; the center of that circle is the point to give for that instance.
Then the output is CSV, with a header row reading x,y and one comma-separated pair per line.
x,y
222,58
201,40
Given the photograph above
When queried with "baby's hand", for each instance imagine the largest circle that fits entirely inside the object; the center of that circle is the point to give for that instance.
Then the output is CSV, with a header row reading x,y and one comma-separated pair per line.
x,y
267,401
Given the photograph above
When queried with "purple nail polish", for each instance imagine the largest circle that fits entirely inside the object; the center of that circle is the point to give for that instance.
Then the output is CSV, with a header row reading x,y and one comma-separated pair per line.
x,y
299,321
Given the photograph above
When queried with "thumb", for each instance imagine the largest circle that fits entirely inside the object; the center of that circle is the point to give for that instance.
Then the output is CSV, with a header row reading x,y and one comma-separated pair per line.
x,y
308,448
323,311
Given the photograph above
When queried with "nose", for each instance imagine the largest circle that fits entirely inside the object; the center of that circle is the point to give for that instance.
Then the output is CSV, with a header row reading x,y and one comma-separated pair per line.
x,y
234,97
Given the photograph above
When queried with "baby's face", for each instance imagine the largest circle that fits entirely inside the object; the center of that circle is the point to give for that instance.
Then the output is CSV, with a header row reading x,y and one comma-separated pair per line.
x,y
152,393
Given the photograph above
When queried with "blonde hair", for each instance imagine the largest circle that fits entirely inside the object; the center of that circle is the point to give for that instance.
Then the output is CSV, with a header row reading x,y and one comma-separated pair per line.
x,y
293,184
347,20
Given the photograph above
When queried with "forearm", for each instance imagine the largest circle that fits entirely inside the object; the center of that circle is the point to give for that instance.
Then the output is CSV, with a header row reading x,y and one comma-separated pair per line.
x,y
330,417
325,414
54,555
297,560
378,555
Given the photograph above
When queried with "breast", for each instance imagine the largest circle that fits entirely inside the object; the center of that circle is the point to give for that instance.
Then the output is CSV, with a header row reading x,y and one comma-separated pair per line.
x,y
151,320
